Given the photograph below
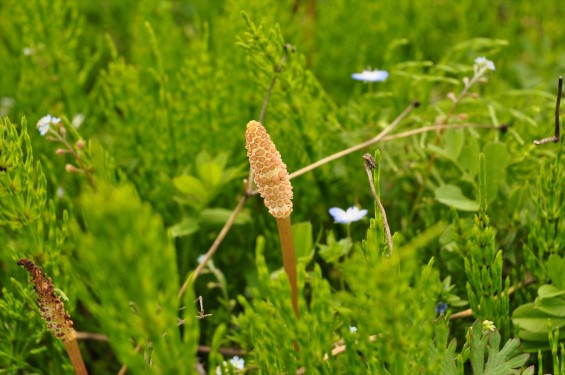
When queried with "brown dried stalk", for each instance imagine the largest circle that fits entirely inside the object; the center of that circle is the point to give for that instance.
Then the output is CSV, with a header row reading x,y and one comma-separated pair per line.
x,y
556,137
370,165
52,310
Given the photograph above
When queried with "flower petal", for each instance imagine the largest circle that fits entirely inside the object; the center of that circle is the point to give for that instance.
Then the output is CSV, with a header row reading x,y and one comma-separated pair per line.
x,y
339,215
355,214
371,75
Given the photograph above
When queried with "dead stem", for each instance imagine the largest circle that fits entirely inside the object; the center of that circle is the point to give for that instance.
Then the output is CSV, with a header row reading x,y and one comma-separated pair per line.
x,y
529,279
556,137
212,250
426,129
287,48
370,165
124,368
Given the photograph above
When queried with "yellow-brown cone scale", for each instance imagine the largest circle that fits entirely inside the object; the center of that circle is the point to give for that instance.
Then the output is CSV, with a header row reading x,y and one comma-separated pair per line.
x,y
270,172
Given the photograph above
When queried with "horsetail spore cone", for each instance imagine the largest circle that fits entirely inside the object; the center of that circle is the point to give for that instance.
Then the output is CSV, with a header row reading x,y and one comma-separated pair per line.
x,y
273,182
52,310
270,172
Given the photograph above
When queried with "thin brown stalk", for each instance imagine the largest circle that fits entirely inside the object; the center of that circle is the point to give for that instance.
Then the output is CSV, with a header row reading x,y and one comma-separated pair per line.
x,y
529,279
76,358
440,126
224,351
91,336
556,137
370,165
426,129
287,48
289,258
335,352
124,368
358,147
212,250
56,136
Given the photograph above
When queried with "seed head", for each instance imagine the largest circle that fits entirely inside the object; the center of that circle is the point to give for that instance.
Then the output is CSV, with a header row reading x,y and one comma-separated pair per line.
x,y
270,172
52,310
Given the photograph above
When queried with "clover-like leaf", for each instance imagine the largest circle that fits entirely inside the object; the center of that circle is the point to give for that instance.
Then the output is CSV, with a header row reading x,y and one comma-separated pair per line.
x,y
452,196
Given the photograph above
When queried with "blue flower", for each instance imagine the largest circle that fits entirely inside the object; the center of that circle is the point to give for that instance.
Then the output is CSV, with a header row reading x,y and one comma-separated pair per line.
x,y
44,124
441,307
346,217
482,61
371,75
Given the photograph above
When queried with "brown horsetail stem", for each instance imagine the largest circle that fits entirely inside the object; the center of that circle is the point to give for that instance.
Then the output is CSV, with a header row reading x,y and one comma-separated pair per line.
x,y
273,181
52,310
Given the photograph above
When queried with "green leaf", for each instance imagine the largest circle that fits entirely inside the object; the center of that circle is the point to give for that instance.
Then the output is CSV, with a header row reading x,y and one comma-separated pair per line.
x,y
335,249
530,318
530,337
186,227
448,361
553,306
210,173
439,151
196,193
303,241
505,361
556,270
469,156
477,343
452,196
548,291
454,141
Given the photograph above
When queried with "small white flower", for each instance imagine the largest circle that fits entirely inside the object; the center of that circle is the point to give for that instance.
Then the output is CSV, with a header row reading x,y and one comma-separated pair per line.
x,y
200,259
60,192
238,363
482,61
345,217
371,75
353,329
28,51
45,123
77,120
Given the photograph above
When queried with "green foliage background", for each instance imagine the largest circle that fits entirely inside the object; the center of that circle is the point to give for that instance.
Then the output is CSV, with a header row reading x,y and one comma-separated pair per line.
x,y
162,91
